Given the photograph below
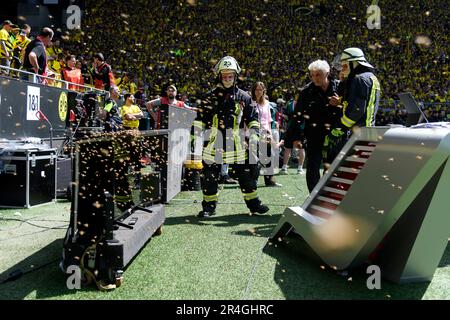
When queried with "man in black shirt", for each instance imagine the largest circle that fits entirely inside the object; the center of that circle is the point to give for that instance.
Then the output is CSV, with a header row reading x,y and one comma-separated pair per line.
x,y
35,54
319,114
102,73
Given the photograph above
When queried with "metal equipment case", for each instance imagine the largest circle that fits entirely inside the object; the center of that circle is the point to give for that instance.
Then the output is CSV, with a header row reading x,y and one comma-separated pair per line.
x,y
27,177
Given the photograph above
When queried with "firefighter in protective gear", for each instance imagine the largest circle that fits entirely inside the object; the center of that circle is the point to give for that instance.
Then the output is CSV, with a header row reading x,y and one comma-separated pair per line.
x,y
361,90
360,100
223,113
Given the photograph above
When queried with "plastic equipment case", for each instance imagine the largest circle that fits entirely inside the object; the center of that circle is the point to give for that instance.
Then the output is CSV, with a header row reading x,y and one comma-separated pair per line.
x,y
27,177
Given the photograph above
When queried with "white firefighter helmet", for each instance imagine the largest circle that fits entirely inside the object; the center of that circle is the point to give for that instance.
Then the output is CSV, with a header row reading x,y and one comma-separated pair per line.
x,y
355,54
227,63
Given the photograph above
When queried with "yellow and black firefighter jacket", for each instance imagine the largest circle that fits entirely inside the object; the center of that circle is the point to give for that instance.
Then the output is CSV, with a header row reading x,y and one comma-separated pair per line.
x,y
361,98
223,115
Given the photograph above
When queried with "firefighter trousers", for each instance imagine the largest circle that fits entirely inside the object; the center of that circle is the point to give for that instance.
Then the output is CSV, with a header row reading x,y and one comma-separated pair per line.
x,y
247,175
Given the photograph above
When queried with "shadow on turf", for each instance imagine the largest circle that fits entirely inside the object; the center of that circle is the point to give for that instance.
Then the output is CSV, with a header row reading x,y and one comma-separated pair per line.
x,y
301,274
47,282
229,221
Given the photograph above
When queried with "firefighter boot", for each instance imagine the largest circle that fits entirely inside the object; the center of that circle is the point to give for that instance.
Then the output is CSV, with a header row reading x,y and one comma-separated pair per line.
x,y
209,209
256,207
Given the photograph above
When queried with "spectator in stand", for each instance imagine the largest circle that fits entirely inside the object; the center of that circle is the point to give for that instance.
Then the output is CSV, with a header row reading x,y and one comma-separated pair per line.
x,y
36,56
111,111
54,56
126,85
130,113
72,74
168,98
271,34
21,43
102,73
85,72
60,63
6,47
13,38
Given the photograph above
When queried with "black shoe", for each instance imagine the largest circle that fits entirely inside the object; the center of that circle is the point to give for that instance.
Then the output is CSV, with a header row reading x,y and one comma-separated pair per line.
x,y
229,180
206,214
261,209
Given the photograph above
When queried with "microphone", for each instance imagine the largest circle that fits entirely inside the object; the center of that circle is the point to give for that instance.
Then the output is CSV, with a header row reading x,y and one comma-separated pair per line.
x,y
40,115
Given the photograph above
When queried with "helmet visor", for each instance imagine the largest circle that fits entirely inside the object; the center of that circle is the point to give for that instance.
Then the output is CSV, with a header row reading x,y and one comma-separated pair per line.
x,y
336,63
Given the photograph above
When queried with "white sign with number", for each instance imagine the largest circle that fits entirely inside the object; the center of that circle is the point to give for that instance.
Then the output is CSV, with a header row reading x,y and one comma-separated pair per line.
x,y
33,102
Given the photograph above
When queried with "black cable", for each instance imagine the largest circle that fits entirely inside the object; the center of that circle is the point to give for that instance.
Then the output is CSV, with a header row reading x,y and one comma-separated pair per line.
x,y
13,219
31,219
47,220
49,228
27,234
32,224
32,233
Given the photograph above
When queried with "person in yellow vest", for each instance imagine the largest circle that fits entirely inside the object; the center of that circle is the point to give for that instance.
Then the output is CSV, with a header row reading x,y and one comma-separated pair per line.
x,y
126,85
56,73
13,35
21,43
130,113
6,47
53,51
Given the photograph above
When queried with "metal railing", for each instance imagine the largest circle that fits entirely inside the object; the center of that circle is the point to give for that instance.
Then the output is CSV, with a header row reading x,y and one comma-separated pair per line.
x,y
36,78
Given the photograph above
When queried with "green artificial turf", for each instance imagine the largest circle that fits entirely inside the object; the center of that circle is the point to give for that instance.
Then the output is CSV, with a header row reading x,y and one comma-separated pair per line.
x,y
218,258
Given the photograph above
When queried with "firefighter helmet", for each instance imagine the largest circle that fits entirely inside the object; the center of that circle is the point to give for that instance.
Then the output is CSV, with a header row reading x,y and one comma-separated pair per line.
x,y
355,54
227,63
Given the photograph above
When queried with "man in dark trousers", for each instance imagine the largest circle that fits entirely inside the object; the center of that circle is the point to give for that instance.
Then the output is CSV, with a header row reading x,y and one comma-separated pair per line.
x,y
319,116
224,112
